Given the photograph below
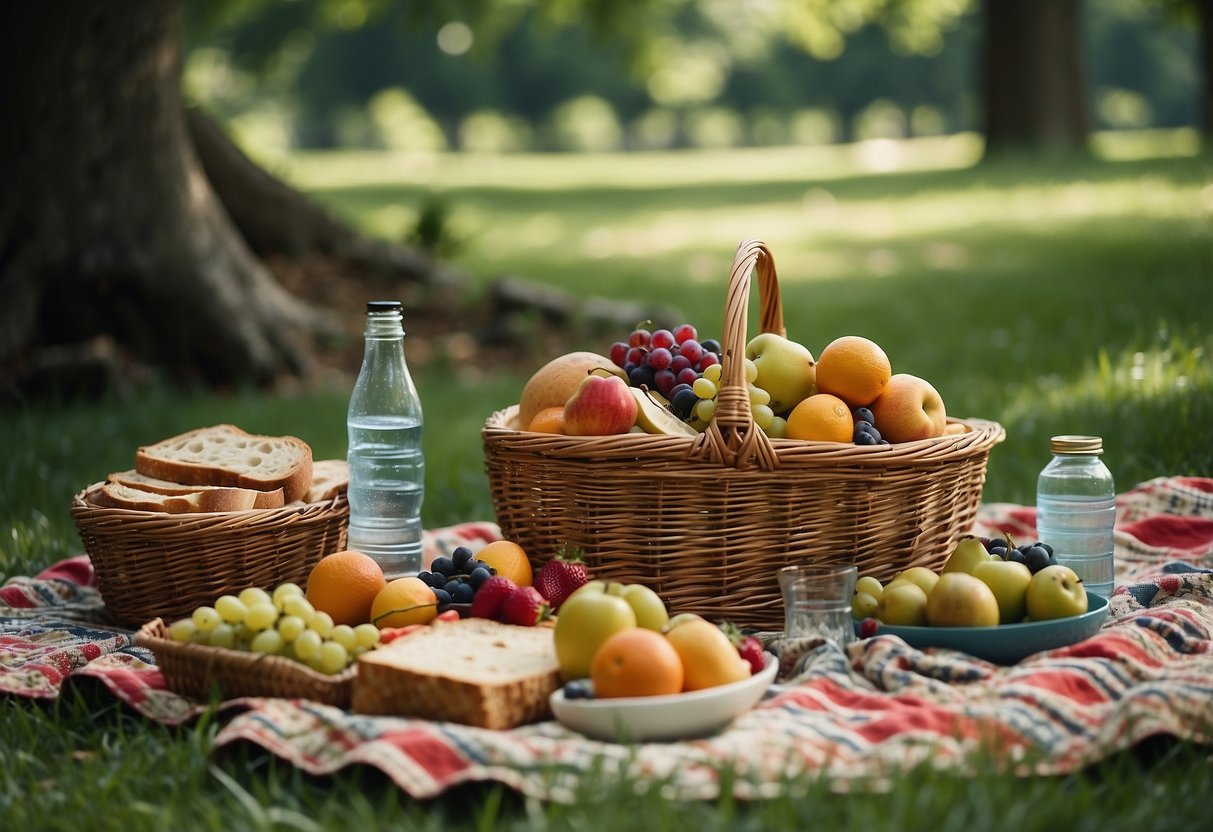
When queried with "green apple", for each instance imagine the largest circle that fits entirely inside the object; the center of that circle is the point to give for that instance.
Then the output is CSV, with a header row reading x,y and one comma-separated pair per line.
x,y
961,600
968,553
1055,592
920,575
870,585
786,370
863,606
1008,581
587,618
903,604
647,605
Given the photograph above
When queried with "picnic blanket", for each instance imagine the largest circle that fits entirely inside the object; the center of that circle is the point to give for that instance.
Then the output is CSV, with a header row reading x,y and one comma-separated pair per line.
x,y
880,708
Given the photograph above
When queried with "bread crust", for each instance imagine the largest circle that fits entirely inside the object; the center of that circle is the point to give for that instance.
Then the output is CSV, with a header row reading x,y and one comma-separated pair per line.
x,y
116,495
133,479
166,460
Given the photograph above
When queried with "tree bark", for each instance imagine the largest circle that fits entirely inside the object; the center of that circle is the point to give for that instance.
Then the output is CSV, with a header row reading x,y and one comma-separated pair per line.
x,y
109,224
1034,95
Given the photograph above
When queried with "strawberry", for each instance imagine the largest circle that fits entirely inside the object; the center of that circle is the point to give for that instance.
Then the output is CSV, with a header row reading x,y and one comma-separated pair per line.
x,y
748,647
560,577
489,598
524,607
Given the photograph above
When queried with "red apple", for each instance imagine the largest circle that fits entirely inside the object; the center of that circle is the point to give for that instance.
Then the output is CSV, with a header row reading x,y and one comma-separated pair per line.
x,y
909,409
602,405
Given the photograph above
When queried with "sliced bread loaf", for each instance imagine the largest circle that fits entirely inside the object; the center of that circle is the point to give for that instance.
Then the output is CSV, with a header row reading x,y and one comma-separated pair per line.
x,y
133,479
330,477
228,456
473,671
116,495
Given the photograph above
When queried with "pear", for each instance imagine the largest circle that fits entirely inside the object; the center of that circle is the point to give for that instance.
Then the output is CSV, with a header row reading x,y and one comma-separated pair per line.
x,y
786,370
968,553
651,417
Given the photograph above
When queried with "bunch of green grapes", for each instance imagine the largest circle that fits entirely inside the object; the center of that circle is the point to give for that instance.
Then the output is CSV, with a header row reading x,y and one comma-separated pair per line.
x,y
708,385
282,623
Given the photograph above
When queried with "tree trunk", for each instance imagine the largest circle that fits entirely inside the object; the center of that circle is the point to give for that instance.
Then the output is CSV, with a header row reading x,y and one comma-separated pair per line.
x,y
109,224
1034,95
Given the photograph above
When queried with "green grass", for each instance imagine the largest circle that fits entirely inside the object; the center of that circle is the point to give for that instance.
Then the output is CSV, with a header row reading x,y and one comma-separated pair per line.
x,y
1052,298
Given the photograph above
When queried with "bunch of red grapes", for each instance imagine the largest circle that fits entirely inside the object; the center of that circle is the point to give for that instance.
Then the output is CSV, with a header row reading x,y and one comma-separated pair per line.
x,y
668,361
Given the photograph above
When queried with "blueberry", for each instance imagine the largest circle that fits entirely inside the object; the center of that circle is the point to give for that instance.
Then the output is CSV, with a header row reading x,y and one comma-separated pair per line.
x,y
683,401
463,593
1046,547
460,557
1036,559
443,597
579,689
443,566
452,585
864,438
478,576
863,414
712,346
427,578
472,565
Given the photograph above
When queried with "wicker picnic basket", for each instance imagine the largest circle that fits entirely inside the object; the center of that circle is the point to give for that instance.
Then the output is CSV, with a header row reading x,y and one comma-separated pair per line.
x,y
707,520
151,564
198,671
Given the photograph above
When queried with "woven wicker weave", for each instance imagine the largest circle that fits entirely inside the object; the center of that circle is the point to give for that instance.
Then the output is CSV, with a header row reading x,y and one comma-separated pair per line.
x,y
197,671
155,565
707,520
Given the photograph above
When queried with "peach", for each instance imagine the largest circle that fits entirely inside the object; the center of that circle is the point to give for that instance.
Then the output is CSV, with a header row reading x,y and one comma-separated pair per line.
x,y
909,409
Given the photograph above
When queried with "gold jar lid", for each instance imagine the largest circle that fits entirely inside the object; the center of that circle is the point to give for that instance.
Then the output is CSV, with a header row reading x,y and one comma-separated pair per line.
x,y
1076,445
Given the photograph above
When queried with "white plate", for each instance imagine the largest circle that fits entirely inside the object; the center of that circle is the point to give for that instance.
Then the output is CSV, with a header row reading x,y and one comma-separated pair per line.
x,y
652,718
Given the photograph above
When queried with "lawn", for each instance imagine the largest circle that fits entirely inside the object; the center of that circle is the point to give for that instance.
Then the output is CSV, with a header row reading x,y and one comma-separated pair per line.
x,y
1054,298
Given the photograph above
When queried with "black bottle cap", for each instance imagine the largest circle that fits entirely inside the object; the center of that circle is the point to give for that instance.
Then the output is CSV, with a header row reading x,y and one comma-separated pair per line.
x,y
383,306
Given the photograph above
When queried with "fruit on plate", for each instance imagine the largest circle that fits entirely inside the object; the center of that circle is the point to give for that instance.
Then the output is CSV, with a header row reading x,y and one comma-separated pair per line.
x,y
1055,592
968,553
786,369
920,575
636,662
853,368
903,604
864,605
961,600
708,657
646,604
553,383
457,578
653,417
602,405
560,577
909,409
1008,581
587,618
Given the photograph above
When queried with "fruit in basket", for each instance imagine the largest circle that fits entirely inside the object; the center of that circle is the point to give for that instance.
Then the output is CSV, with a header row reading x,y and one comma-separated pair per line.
x,y
652,417
786,369
402,602
708,657
967,554
548,420
909,409
554,382
853,368
344,584
962,600
903,604
560,577
821,418
1008,581
587,618
636,662
602,405
1055,592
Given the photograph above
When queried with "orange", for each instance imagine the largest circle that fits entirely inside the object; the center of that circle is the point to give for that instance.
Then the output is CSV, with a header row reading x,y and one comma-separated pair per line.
x,y
636,662
854,369
344,584
548,420
402,602
823,418
509,559
708,657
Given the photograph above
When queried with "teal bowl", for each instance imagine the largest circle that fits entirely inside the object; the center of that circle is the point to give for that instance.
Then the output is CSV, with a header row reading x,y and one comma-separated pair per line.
x,y
1006,643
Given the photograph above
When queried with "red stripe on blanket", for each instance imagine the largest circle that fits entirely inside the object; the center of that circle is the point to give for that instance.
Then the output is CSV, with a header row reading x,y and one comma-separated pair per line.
x,y
434,754
16,598
1199,483
1191,534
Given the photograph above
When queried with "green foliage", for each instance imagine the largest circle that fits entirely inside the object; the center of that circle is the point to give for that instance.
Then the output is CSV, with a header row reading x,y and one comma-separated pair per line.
x,y
1053,299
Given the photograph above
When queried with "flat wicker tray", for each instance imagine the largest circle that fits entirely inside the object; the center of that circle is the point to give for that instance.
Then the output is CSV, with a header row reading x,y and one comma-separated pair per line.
x,y
198,671
706,521
151,564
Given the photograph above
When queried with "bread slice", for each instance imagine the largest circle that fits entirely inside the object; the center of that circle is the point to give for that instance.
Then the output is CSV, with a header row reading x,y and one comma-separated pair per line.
x,y
330,477
133,479
226,455
473,671
116,495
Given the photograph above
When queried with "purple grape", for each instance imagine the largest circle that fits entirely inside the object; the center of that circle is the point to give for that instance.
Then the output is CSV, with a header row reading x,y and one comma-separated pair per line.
x,y
687,376
659,358
619,353
684,332
692,350
664,381
662,338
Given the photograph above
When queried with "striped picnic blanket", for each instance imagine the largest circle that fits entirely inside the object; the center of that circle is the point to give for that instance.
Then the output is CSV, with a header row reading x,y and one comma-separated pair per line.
x,y
880,708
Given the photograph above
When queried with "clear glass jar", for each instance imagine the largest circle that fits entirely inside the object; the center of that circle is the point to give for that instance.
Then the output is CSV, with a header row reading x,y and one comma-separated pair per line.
x,y
1076,510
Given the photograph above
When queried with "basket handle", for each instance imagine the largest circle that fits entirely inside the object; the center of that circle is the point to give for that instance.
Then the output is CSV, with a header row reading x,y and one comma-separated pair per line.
x,y
732,438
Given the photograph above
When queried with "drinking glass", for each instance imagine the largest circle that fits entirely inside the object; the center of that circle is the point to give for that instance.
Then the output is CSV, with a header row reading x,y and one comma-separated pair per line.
x,y
817,601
